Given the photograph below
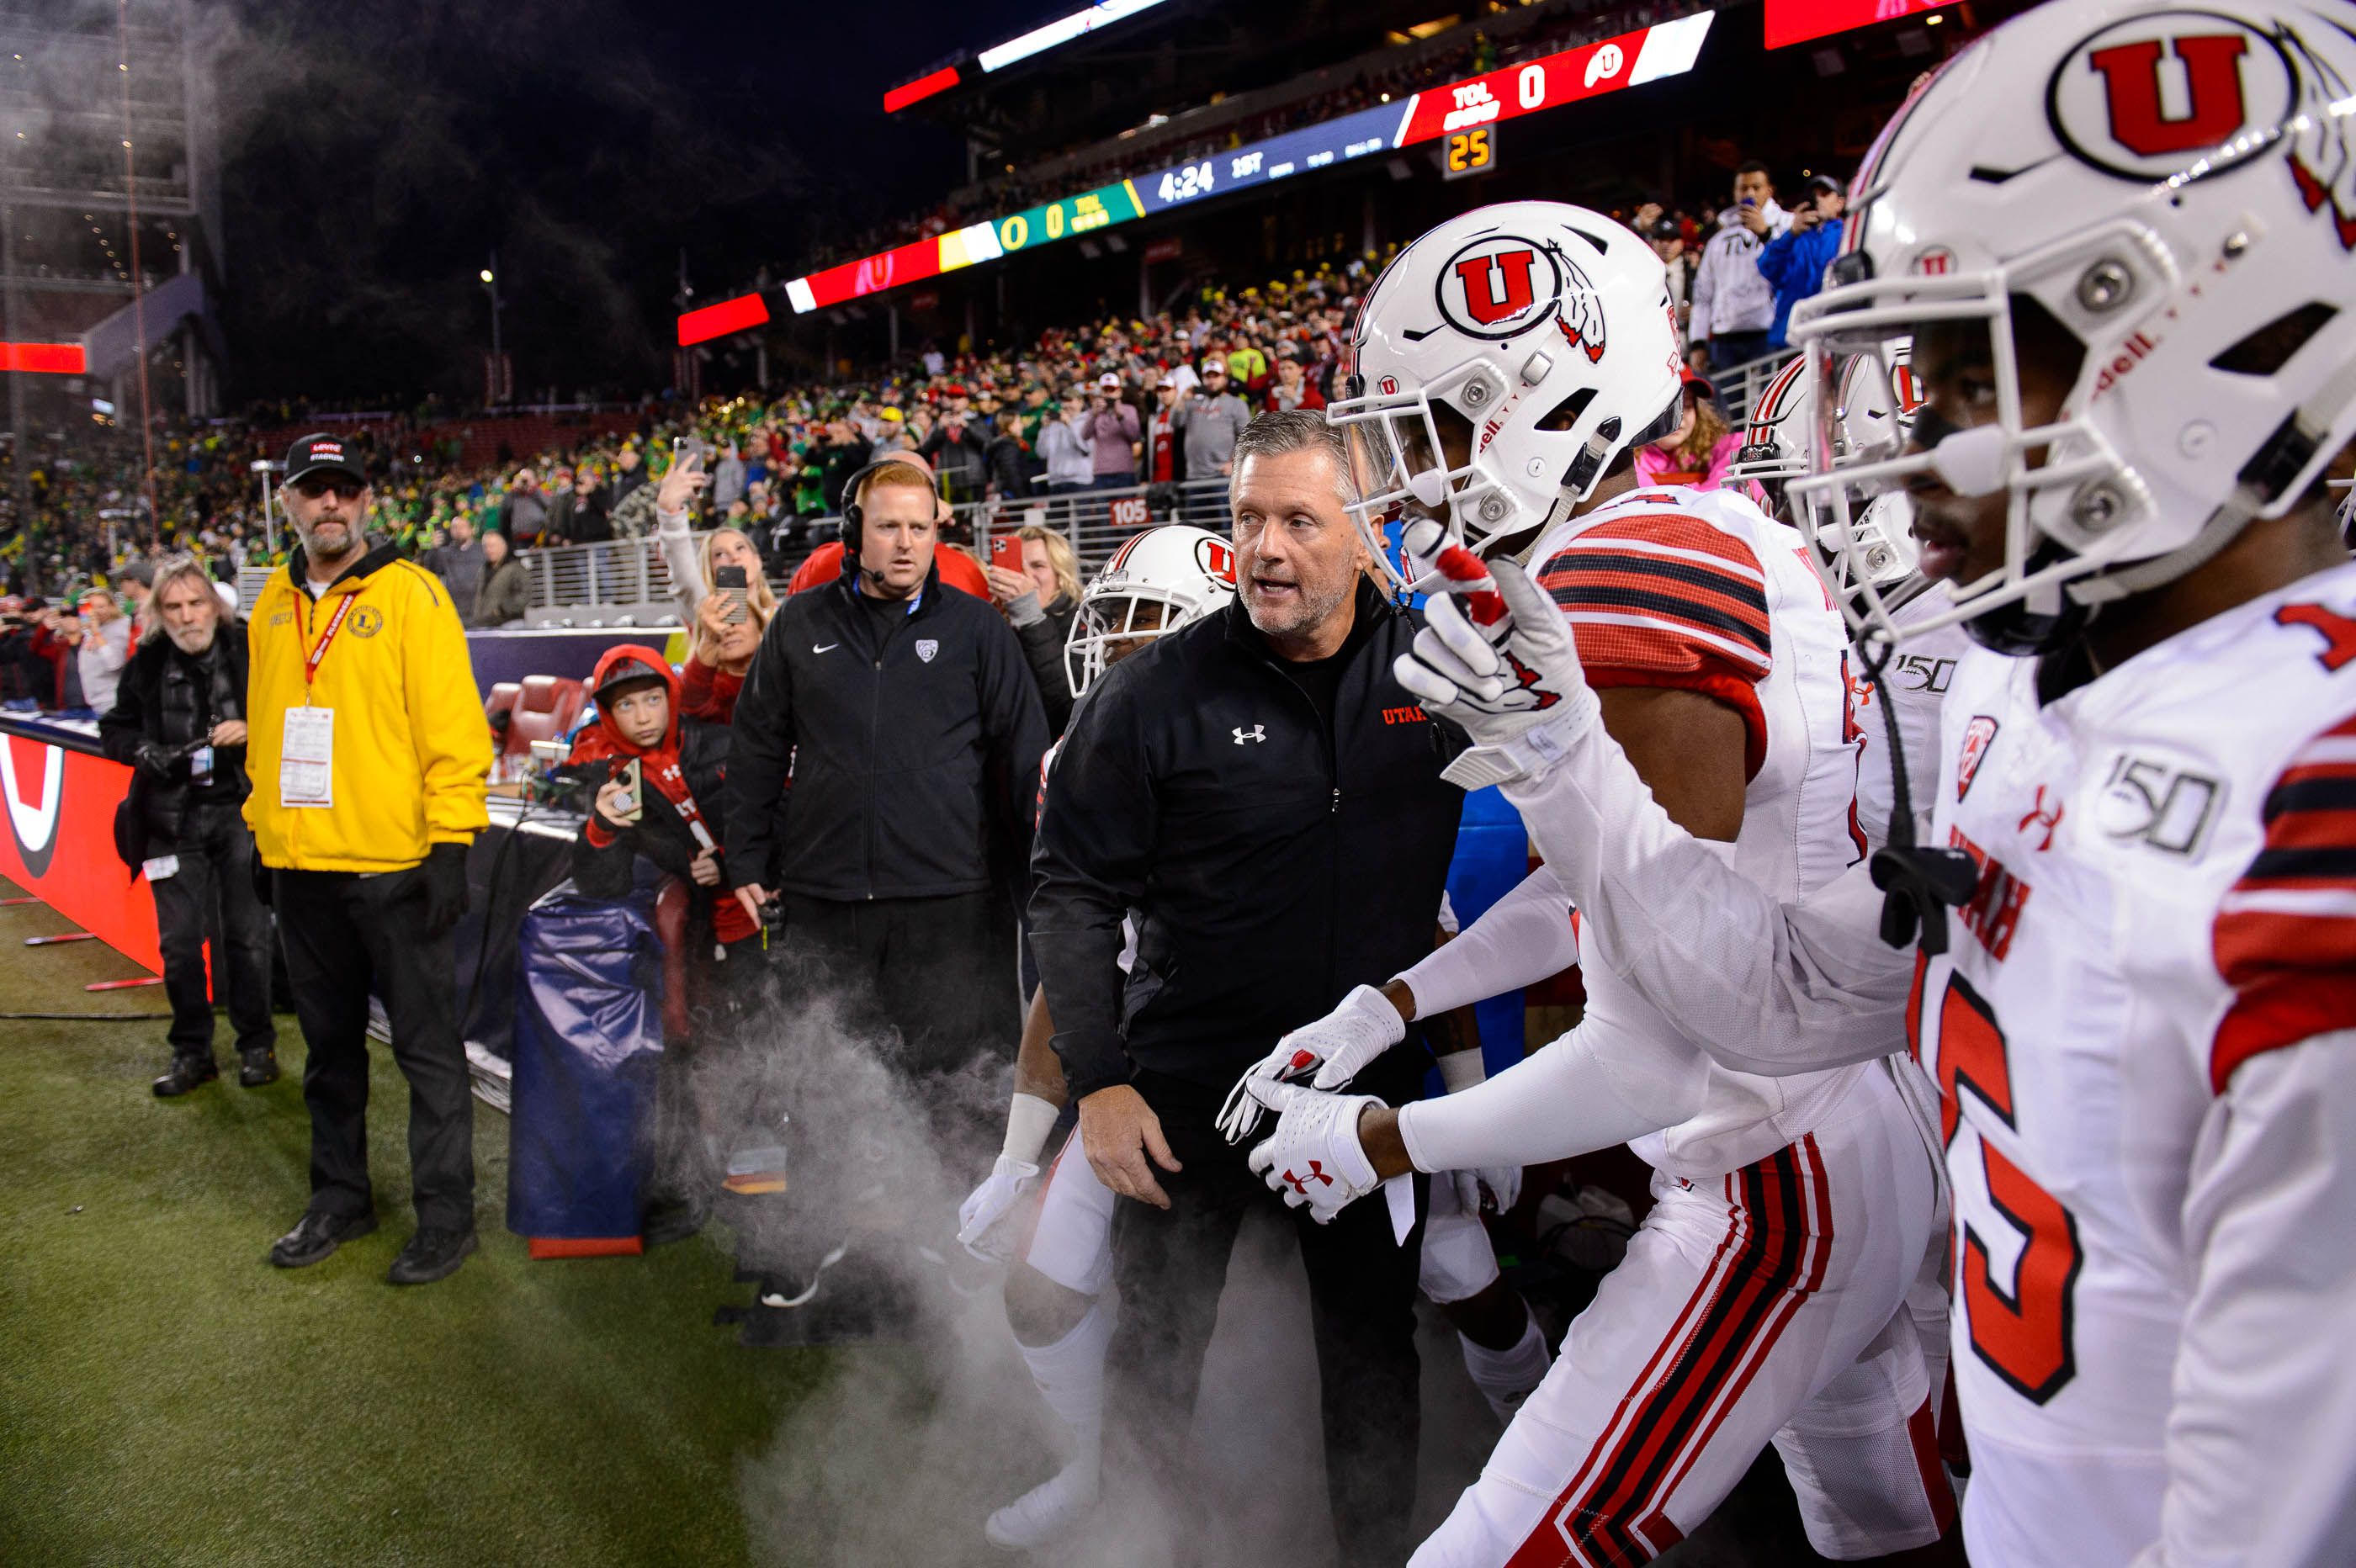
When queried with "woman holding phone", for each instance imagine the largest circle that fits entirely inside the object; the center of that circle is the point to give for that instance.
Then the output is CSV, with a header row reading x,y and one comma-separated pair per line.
x,y
720,588
1034,579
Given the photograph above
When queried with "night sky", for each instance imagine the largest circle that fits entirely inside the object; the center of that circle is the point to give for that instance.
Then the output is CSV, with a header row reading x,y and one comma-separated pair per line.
x,y
376,151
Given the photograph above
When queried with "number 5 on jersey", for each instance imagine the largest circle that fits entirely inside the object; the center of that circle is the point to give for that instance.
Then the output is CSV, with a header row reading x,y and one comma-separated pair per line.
x,y
2022,1333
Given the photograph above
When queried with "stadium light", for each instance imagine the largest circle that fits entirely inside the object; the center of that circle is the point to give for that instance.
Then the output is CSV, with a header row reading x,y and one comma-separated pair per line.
x,y
485,274
1062,30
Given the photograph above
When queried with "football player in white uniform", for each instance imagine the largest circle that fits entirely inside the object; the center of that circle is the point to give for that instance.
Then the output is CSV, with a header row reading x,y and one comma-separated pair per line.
x,y
2120,239
1058,1300
1513,360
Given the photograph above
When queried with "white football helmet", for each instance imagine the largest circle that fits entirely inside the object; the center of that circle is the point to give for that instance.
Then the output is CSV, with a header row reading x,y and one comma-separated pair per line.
x,y
2175,188
1163,579
1777,438
1500,364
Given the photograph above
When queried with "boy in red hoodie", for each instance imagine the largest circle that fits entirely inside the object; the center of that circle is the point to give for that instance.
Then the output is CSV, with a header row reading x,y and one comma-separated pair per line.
x,y
681,761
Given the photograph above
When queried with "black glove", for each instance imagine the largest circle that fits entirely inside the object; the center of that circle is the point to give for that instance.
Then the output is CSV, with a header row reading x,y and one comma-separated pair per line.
x,y
444,874
155,759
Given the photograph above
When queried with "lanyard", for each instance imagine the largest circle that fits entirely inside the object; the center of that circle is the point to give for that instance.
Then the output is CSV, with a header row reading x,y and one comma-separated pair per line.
x,y
311,661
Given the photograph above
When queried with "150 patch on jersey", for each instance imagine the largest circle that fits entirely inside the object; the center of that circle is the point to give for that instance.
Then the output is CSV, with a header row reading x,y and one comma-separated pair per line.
x,y
2159,804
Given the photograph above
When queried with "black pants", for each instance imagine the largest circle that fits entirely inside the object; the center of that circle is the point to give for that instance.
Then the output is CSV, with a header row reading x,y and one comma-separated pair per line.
x,y
1171,1265
939,971
211,897
346,934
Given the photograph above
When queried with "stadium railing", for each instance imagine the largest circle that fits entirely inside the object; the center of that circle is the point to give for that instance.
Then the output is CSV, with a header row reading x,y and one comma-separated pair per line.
x,y
630,574
1741,387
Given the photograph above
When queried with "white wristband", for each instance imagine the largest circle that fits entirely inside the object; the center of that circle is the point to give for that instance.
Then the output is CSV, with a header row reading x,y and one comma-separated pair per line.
x,y
1029,1120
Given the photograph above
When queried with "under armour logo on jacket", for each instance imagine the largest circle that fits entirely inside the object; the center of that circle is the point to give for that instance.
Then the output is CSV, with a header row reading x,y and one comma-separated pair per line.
x,y
1316,1173
1256,732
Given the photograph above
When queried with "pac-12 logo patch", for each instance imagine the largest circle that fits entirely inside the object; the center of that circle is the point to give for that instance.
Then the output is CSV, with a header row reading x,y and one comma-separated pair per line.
x,y
927,647
1979,736
2150,96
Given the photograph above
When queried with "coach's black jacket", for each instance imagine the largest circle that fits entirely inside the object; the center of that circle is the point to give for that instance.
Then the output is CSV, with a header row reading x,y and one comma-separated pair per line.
x,y
1270,865
909,739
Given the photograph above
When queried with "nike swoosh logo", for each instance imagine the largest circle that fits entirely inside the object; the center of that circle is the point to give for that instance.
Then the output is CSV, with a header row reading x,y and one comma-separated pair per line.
x,y
821,647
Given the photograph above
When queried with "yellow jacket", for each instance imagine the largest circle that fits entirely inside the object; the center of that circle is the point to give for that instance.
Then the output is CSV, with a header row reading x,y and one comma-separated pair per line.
x,y
412,751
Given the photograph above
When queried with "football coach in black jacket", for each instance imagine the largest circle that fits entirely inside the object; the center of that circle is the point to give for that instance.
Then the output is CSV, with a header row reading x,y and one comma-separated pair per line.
x,y
1263,800
910,724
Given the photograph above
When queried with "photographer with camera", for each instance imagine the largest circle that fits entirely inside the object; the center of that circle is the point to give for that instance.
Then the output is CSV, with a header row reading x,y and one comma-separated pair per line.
x,y
178,719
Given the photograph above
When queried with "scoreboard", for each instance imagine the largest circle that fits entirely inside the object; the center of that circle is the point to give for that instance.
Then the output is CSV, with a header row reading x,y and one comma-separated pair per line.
x,y
1456,111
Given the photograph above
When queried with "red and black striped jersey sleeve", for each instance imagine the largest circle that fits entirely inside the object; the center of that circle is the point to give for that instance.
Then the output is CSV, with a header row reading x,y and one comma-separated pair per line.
x,y
1665,599
2285,932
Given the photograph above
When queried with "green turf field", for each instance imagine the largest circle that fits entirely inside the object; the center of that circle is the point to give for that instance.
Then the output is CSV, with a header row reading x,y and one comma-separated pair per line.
x,y
166,1397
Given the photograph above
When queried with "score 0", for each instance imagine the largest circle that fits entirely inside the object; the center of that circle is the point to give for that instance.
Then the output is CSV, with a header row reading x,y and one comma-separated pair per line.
x,y
1469,153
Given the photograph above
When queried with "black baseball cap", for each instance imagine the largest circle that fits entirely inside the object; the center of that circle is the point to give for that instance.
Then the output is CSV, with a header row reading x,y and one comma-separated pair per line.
x,y
629,672
1825,185
320,454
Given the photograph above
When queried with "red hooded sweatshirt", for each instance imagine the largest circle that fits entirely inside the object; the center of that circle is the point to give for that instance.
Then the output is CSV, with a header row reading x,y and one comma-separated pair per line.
x,y
660,767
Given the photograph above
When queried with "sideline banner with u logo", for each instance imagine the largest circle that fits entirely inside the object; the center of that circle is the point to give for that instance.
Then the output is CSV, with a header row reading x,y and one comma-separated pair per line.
x,y
60,842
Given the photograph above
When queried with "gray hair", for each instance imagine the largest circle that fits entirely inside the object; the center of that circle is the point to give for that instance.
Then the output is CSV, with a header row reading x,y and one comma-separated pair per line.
x,y
169,572
1285,431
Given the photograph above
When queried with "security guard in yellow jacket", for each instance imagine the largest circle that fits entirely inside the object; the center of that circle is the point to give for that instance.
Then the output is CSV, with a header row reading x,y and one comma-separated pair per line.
x,y
368,755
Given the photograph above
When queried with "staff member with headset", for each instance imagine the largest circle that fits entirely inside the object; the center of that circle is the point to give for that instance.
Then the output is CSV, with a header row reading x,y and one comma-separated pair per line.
x,y
368,757
910,724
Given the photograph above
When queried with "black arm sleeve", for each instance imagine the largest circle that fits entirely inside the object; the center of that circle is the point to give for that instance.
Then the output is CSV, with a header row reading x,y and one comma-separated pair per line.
x,y
1042,645
1012,728
760,748
1094,846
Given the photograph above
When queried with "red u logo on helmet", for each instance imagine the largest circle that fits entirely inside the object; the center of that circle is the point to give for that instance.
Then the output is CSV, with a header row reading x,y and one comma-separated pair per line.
x,y
1484,300
2214,105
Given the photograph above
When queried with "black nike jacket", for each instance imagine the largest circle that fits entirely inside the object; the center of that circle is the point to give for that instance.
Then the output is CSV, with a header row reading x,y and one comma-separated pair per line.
x,y
913,743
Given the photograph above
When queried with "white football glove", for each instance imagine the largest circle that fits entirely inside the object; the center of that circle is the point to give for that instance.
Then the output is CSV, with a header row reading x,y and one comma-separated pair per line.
x,y
1314,1158
1495,656
1338,1045
1001,1192
1503,1183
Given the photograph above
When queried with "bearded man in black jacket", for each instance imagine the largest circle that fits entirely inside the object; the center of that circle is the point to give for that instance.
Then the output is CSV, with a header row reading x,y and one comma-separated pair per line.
x,y
1260,801
178,719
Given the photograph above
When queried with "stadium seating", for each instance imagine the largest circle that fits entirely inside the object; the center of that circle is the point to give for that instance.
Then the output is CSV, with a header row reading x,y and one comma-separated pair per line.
x,y
545,708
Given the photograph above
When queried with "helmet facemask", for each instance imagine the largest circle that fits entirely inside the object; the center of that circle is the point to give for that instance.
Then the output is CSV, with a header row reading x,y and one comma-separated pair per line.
x,y
1857,343
1411,455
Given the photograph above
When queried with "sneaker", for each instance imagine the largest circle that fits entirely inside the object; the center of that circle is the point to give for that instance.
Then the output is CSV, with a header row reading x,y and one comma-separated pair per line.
x,y
432,1254
257,1067
317,1235
1047,1512
186,1072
